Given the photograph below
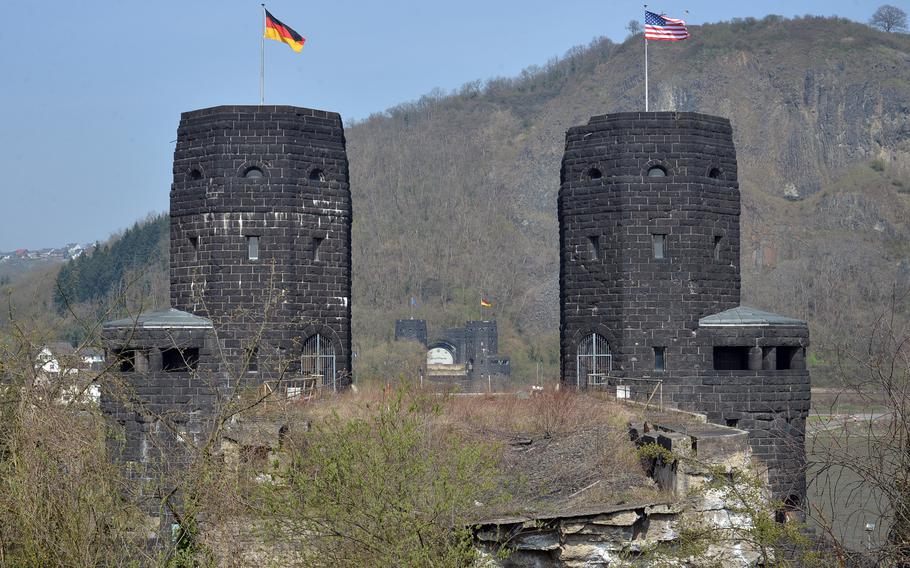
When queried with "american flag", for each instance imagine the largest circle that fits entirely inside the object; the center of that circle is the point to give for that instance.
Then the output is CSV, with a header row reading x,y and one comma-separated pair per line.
x,y
662,27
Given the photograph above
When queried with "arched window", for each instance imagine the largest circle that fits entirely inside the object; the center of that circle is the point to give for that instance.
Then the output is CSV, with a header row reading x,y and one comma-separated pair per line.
x,y
593,360
318,359
440,356
317,175
657,171
195,174
594,173
714,173
253,173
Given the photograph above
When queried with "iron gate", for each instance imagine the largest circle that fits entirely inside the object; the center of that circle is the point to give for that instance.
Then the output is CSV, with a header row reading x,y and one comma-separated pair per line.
x,y
318,360
593,360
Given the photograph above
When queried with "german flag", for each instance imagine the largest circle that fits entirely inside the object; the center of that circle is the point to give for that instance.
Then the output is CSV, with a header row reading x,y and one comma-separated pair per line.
x,y
484,303
274,29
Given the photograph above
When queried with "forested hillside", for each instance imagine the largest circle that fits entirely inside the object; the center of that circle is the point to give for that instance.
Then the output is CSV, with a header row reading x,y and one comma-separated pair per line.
x,y
126,274
455,194
113,267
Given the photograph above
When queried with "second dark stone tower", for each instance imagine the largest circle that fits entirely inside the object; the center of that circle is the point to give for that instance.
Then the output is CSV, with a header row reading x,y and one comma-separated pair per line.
x,y
649,233
649,208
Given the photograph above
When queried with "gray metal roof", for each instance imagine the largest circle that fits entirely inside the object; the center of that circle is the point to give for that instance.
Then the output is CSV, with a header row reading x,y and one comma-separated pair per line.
x,y
162,319
743,316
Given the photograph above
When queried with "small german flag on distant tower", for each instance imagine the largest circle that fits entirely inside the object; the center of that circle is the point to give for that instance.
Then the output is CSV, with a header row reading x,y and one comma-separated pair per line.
x,y
274,29
484,303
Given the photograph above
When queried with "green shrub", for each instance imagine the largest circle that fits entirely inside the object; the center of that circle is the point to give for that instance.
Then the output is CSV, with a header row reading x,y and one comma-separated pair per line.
x,y
384,489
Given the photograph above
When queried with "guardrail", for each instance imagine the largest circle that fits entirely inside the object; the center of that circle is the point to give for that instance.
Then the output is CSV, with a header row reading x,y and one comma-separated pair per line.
x,y
624,391
296,388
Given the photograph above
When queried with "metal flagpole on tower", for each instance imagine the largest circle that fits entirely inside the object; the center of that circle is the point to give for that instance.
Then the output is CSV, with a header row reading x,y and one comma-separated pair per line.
x,y
646,59
262,60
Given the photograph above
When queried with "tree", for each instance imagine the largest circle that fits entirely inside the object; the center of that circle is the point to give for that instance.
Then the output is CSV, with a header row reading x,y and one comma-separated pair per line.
x,y
889,18
859,464
633,27
62,501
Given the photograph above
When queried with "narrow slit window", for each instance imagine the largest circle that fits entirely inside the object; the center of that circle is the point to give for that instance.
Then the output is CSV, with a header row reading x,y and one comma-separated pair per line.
x,y
657,243
252,245
594,247
194,247
317,244
659,361
252,359
717,242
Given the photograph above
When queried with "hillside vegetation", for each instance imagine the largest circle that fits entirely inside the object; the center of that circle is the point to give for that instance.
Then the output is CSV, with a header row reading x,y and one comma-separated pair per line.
x,y
455,194
95,277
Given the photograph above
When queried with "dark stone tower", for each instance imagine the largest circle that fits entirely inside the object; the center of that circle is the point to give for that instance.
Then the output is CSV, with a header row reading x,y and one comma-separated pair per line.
x,y
261,228
260,282
411,329
649,211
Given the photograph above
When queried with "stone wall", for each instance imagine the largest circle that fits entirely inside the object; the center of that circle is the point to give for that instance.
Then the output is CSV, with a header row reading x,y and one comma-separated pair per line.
x,y
475,346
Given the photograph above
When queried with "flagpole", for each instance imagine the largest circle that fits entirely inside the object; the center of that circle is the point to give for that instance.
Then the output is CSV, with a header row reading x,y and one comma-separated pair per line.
x,y
646,62
646,75
262,60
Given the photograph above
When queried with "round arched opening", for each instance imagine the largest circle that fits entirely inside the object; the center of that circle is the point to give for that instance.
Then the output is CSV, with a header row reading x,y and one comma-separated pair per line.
x,y
594,173
195,174
253,173
657,171
714,173
440,356
317,175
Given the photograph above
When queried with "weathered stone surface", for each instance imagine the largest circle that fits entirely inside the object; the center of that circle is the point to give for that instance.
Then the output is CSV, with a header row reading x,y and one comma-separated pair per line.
x,y
660,528
663,509
620,519
587,555
536,541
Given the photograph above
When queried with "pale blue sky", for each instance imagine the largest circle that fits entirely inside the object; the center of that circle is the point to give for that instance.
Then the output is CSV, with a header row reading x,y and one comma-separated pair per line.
x,y
92,91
